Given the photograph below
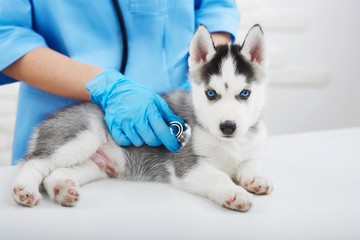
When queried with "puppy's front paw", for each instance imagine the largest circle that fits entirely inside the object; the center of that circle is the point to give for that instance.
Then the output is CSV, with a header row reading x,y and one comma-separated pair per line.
x,y
257,184
238,200
26,195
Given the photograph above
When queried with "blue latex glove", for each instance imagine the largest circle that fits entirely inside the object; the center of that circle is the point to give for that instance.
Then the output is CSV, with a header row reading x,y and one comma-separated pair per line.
x,y
134,114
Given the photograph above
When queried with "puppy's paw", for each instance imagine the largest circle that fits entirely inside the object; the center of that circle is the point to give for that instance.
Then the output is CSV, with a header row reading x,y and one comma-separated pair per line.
x,y
238,200
26,195
257,184
64,191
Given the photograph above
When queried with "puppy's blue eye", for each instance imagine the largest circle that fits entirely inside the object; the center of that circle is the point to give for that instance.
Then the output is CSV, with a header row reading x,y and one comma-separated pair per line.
x,y
211,94
244,94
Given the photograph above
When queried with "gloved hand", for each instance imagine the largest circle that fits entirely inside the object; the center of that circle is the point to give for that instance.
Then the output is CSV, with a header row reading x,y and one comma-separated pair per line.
x,y
133,113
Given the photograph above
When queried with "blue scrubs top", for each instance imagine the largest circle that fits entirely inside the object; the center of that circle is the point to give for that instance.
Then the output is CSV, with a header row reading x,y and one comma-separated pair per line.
x,y
159,33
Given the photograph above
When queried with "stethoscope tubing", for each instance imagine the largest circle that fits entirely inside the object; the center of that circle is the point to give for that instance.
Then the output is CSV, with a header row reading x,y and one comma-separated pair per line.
x,y
124,35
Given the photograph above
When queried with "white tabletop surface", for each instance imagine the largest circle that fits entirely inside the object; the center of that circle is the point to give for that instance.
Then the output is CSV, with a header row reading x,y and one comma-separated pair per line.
x,y
316,177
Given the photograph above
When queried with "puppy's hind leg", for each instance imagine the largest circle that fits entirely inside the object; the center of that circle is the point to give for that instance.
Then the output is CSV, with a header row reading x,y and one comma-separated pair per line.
x,y
207,181
25,190
38,165
63,184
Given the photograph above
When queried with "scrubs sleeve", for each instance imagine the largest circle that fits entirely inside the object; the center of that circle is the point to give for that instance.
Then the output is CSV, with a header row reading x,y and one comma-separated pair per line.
x,y
218,16
16,35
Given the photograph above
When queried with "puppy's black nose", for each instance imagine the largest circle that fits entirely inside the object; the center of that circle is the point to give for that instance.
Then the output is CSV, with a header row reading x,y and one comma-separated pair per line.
x,y
228,127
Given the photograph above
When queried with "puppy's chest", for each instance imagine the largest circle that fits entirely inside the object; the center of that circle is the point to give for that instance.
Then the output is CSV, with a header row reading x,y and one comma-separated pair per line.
x,y
226,157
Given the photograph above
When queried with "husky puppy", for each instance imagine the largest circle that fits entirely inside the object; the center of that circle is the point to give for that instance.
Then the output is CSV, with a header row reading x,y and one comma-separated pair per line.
x,y
221,160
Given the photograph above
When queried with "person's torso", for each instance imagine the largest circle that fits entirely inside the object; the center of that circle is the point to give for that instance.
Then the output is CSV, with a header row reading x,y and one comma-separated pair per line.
x,y
158,33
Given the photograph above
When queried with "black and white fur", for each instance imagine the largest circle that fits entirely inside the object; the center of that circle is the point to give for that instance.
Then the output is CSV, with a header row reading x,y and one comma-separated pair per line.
x,y
222,160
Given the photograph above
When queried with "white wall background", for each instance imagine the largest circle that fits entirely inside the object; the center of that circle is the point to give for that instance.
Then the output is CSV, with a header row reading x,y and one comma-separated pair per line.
x,y
8,101
313,48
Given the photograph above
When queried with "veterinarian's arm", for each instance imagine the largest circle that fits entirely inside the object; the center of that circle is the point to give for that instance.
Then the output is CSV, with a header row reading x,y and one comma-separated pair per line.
x,y
221,18
53,72
26,57
220,38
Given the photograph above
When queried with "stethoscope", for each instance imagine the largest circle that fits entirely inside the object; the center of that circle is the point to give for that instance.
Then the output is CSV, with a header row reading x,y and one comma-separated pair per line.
x,y
124,35
175,127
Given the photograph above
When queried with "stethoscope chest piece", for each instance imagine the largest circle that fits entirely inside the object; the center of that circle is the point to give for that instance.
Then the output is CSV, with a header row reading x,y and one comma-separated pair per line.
x,y
182,133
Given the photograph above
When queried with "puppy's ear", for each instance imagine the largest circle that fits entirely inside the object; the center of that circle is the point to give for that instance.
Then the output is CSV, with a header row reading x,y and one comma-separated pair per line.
x,y
253,48
201,47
